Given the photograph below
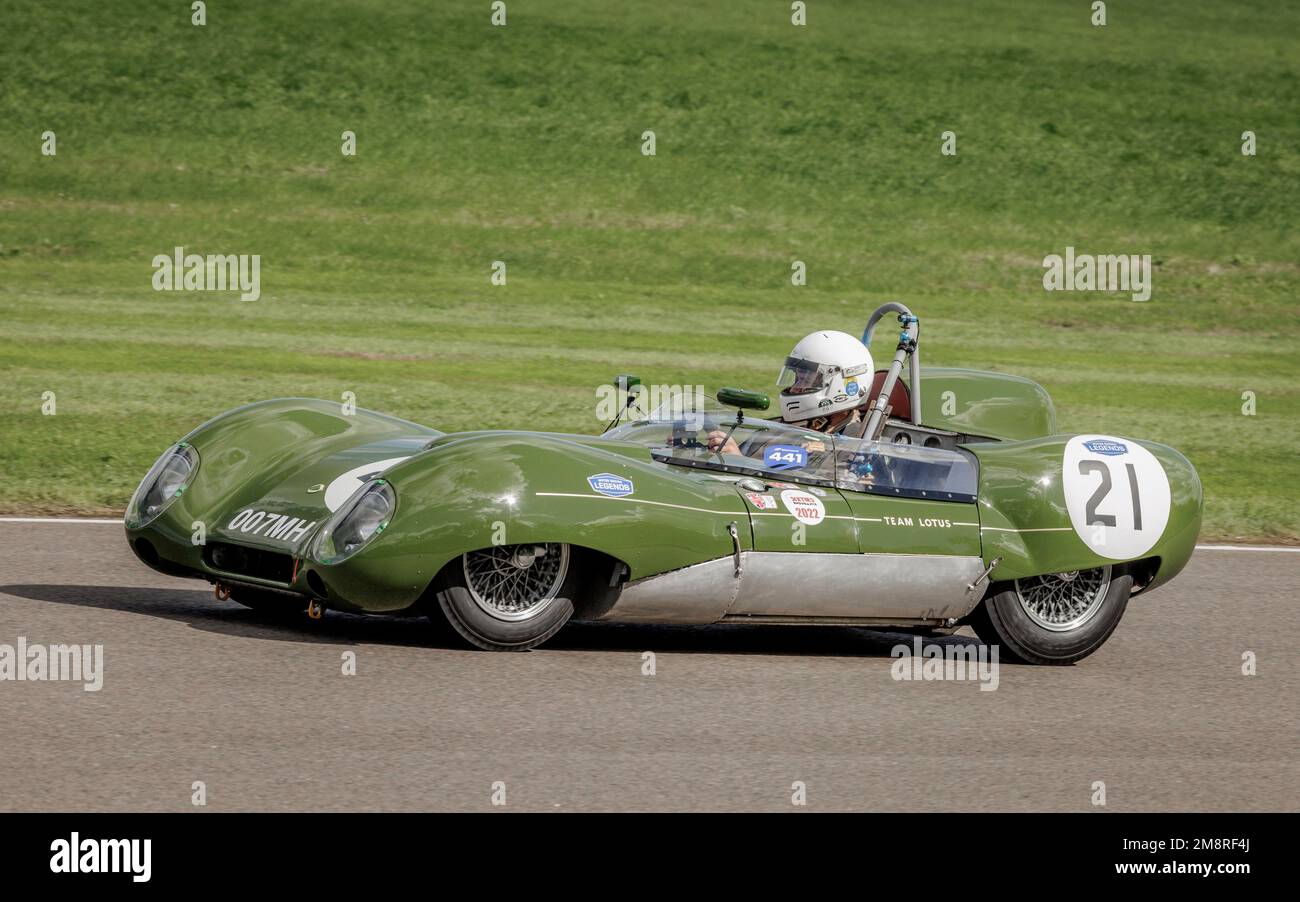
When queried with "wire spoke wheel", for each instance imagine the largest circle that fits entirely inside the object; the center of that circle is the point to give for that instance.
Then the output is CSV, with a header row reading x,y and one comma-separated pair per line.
x,y
1064,601
516,582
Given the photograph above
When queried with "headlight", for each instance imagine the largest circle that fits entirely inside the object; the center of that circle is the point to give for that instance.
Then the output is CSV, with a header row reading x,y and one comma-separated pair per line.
x,y
356,523
166,481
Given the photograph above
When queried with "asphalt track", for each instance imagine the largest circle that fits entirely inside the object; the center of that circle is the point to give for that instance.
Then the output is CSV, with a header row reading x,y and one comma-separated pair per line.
x,y
260,711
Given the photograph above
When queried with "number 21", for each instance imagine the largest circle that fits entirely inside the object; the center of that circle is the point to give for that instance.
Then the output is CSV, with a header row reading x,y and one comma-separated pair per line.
x,y
1103,489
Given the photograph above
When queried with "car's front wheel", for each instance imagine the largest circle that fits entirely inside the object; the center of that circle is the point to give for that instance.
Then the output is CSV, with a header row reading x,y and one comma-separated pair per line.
x,y
510,597
1056,618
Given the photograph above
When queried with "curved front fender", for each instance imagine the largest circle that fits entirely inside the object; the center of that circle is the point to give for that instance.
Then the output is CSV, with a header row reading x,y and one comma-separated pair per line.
x,y
477,490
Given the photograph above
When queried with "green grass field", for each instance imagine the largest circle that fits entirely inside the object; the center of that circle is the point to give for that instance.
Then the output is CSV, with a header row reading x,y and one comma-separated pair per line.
x,y
775,143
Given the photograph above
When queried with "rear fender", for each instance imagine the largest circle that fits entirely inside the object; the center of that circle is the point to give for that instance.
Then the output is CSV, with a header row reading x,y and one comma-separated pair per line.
x,y
1035,498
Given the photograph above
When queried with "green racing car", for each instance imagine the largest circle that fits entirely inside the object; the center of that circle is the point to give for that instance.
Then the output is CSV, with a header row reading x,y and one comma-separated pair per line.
x,y
957,505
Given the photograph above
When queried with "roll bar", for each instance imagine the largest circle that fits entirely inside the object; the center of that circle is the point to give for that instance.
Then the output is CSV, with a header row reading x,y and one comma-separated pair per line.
x,y
909,340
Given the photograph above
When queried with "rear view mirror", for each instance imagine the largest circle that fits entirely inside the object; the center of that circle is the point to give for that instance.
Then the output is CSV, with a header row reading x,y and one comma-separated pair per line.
x,y
743,398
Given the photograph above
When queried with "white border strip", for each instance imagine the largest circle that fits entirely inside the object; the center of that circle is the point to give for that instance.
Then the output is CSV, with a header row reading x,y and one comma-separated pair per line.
x,y
684,507
1284,548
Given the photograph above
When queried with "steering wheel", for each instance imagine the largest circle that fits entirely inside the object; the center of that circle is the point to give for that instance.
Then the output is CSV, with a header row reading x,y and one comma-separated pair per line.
x,y
682,437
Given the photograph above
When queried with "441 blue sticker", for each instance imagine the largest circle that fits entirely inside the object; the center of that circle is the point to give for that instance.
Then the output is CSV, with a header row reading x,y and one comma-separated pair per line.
x,y
785,457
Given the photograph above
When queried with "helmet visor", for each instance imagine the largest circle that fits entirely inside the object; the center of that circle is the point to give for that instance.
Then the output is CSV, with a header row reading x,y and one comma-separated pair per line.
x,y
799,377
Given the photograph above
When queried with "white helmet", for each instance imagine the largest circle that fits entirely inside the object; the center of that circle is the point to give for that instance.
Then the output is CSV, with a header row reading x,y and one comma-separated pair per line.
x,y
825,373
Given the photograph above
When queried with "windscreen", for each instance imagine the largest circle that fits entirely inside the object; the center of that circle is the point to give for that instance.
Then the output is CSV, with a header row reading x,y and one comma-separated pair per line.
x,y
887,468
709,436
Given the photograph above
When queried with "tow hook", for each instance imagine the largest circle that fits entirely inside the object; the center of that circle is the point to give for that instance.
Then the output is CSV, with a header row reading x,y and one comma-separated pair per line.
x,y
220,591
315,610
985,575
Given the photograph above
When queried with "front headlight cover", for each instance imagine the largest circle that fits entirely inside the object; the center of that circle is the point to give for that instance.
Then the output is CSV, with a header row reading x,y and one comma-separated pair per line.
x,y
356,523
163,484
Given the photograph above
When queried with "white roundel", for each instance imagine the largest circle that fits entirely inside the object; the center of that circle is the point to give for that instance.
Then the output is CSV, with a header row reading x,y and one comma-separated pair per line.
x,y
806,507
343,486
1117,494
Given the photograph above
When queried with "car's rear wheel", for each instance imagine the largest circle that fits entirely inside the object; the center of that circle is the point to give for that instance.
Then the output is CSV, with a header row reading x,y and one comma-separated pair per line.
x,y
1056,618
510,597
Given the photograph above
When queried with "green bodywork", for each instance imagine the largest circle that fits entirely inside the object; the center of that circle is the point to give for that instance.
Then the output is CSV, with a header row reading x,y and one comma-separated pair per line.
x,y
1023,516
466,491
978,403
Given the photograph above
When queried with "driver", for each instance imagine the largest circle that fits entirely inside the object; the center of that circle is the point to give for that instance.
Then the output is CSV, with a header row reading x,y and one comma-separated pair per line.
x,y
825,386
825,382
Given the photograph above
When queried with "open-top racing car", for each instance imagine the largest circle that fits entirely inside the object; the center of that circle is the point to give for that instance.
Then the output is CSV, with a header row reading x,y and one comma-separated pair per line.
x,y
957,505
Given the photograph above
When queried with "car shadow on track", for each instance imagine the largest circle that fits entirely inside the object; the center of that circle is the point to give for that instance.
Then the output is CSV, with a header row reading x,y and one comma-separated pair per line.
x,y
200,610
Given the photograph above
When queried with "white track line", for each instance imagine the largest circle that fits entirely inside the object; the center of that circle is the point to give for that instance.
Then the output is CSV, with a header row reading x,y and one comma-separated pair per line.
x,y
56,520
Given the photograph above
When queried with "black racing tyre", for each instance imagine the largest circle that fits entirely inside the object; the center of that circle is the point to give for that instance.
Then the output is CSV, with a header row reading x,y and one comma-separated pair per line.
x,y
510,597
277,604
1057,618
